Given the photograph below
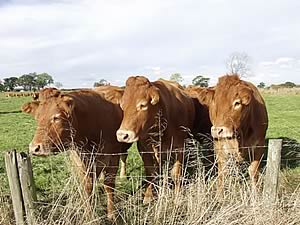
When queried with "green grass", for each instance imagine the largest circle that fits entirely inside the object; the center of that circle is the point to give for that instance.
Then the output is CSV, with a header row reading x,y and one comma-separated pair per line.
x,y
17,129
284,116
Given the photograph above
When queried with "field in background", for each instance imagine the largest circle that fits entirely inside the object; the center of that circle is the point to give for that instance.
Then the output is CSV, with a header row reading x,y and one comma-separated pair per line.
x,y
51,175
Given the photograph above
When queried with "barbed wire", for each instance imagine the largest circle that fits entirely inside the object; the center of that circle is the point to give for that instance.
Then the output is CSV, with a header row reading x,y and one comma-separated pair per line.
x,y
296,146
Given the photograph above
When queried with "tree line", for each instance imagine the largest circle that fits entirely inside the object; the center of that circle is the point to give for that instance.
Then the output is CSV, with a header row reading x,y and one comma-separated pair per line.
x,y
200,80
27,82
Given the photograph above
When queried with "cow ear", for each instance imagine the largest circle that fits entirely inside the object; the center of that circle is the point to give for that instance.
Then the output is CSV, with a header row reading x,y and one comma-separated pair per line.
x,y
30,107
246,96
116,96
246,99
210,92
69,104
154,95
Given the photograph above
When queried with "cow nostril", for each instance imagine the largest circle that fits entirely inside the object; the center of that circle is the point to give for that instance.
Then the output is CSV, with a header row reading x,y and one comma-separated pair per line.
x,y
37,148
125,136
220,131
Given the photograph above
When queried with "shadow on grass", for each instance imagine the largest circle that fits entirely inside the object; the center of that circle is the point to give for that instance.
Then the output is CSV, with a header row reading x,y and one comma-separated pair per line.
x,y
3,113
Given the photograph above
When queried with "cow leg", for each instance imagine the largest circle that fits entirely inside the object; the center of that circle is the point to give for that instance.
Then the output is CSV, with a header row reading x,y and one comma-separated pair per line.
x,y
109,185
220,157
176,173
255,159
86,178
123,165
150,171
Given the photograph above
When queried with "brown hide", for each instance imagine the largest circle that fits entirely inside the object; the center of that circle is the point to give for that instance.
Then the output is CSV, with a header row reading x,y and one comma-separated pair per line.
x,y
86,119
110,93
240,121
142,103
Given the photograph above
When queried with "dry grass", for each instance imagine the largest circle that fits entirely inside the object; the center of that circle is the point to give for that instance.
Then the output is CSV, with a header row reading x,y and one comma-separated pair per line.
x,y
197,203
281,91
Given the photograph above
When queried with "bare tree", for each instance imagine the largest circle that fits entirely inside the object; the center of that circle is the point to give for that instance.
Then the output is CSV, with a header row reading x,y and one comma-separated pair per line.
x,y
239,63
176,77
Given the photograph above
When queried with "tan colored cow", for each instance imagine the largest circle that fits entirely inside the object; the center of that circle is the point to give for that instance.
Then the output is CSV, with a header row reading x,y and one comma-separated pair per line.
x,y
114,94
240,121
156,115
86,119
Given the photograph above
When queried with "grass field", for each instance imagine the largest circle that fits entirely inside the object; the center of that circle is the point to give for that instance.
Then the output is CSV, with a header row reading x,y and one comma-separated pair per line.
x,y
17,129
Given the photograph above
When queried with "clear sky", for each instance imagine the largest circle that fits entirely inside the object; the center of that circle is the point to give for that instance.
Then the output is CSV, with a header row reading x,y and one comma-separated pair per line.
x,y
79,42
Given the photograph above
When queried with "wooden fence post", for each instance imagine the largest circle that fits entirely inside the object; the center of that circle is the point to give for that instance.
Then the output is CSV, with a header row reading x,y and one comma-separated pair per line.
x,y
11,165
20,177
27,186
272,171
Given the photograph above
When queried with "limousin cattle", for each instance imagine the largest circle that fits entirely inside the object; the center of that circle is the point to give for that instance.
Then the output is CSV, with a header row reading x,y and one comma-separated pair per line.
x,y
86,119
113,94
240,121
202,127
110,93
19,94
45,93
155,115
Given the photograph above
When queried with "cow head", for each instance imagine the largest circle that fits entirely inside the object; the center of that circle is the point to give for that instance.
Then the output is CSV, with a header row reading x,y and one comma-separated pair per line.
x,y
229,107
55,120
140,105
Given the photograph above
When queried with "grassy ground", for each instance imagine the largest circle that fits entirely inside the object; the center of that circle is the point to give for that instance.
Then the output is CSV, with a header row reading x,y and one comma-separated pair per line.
x,y
17,129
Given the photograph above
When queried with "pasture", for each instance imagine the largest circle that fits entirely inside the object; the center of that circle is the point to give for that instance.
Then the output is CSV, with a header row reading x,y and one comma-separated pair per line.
x,y
52,174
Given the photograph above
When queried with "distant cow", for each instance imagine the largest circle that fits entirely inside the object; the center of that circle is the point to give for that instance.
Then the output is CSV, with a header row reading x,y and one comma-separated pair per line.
x,y
87,119
240,121
156,115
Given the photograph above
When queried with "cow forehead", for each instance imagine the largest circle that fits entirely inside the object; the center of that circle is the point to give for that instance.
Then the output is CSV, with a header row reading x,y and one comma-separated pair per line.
x,y
49,108
137,81
231,93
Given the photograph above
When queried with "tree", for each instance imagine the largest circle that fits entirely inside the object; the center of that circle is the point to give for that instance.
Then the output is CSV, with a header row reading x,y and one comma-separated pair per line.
x,y
289,84
200,81
27,81
2,87
102,82
261,85
10,83
239,63
176,77
58,85
42,80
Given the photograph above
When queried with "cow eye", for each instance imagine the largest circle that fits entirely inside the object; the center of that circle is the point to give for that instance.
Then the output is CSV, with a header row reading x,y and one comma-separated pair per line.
x,y
56,118
237,104
142,106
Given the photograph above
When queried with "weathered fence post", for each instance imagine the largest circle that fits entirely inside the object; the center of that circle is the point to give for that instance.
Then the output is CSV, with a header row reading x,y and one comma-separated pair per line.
x,y
20,177
11,165
27,186
272,171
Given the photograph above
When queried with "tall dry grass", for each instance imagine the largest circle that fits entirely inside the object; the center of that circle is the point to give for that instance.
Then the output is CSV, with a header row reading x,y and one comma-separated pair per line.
x,y
197,203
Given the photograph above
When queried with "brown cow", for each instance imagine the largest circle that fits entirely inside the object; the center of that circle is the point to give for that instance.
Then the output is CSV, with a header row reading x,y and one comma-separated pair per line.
x,y
144,104
45,93
114,94
88,120
110,93
202,127
240,121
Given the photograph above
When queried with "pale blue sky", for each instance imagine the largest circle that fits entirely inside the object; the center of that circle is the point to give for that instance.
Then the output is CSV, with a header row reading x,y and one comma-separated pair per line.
x,y
82,41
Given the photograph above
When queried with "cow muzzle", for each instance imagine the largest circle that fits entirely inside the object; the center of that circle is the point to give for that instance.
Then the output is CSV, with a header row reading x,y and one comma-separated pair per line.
x,y
221,133
37,149
126,136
